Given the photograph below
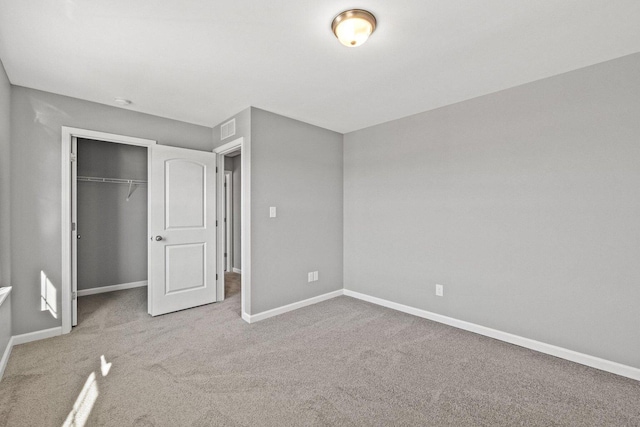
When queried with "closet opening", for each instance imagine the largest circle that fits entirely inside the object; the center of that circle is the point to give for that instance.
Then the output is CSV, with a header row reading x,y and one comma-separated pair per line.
x,y
110,217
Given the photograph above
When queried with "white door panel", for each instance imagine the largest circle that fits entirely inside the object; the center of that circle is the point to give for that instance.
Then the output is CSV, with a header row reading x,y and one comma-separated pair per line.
x,y
182,259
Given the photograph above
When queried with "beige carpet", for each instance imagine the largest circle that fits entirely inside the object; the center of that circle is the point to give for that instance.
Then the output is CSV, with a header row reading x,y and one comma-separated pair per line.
x,y
340,362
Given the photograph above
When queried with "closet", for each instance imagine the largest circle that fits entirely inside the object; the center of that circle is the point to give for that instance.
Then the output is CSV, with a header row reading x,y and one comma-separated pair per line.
x,y
111,217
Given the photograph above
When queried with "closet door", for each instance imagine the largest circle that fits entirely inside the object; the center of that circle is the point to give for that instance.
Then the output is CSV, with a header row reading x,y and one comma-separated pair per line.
x,y
182,228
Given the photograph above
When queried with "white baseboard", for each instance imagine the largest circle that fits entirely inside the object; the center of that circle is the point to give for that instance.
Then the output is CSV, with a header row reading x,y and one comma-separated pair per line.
x,y
37,335
290,307
237,270
23,339
5,357
563,353
111,288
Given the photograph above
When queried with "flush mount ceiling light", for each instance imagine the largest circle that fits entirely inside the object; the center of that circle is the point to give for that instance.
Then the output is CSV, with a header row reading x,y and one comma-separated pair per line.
x,y
121,101
353,27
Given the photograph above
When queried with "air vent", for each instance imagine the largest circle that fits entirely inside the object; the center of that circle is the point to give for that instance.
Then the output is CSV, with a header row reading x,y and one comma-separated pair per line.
x,y
228,129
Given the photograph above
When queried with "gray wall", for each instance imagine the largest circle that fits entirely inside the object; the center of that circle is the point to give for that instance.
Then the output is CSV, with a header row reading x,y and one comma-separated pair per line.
x,y
524,204
297,168
237,212
243,128
113,245
36,119
5,325
5,149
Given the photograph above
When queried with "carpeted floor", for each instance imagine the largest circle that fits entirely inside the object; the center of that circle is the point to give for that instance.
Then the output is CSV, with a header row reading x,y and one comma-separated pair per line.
x,y
340,362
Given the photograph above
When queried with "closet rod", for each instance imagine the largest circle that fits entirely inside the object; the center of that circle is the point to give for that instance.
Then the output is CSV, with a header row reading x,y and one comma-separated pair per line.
x,y
111,180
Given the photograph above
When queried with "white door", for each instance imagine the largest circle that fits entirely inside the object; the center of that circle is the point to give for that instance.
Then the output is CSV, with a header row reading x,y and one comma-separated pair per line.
x,y
182,228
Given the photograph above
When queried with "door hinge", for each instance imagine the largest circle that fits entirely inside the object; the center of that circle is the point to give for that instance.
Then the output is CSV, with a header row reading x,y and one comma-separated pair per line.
x,y
216,169
74,296
225,255
74,157
216,277
216,222
73,226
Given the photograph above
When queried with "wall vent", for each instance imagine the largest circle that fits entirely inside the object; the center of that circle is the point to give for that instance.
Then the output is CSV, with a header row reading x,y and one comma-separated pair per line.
x,y
228,129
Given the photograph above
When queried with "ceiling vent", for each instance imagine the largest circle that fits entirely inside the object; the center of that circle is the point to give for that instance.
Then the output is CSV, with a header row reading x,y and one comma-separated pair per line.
x,y
228,129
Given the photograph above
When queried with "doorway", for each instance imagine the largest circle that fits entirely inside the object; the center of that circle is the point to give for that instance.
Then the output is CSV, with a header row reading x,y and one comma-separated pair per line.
x,y
232,220
237,155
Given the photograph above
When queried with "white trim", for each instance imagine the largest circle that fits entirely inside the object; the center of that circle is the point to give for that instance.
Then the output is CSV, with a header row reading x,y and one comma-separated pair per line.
x,y
36,336
290,307
244,145
229,147
26,338
237,270
5,357
74,233
106,137
4,293
111,288
68,133
563,353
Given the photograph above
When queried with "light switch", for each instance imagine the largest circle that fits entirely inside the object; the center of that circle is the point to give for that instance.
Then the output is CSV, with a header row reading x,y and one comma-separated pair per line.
x,y
272,212
310,277
315,275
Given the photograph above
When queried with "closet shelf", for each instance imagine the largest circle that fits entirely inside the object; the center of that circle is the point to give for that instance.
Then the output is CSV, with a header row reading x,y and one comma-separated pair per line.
x,y
111,180
133,183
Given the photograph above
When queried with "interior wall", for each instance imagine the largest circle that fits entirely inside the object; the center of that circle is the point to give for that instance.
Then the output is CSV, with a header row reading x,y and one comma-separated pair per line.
x,y
237,212
113,245
243,129
36,120
297,168
524,204
5,325
5,150
228,163
5,226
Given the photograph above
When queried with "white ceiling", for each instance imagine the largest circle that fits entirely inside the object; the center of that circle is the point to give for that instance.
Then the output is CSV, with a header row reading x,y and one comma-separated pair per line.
x,y
201,61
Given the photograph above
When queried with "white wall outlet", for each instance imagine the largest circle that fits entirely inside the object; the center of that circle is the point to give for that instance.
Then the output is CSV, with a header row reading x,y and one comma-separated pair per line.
x,y
272,212
315,276
439,290
310,276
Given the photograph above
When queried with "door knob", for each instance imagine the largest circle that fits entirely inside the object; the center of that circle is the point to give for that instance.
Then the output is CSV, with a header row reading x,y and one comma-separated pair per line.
x,y
158,238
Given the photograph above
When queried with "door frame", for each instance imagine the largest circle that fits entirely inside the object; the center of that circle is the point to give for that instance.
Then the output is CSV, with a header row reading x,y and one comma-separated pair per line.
x,y
69,267
245,221
228,215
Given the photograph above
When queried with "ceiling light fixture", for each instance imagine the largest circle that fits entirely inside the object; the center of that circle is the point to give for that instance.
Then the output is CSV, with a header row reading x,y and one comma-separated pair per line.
x,y
353,27
121,101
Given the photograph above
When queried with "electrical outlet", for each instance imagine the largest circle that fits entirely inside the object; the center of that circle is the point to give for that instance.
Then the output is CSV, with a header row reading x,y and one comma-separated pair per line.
x,y
439,290
272,212
310,276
